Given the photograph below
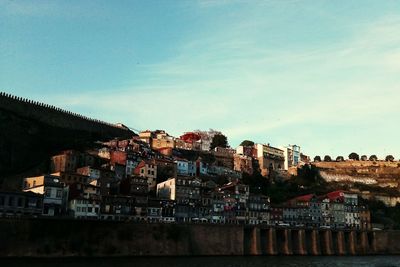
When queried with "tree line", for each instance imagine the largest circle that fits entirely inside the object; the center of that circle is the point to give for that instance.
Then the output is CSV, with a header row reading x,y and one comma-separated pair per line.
x,y
353,156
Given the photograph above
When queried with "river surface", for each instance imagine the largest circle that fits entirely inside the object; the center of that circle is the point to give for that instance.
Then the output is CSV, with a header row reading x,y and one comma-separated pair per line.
x,y
234,261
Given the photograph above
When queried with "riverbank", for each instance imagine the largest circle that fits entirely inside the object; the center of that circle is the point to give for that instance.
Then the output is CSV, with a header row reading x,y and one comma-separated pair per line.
x,y
74,238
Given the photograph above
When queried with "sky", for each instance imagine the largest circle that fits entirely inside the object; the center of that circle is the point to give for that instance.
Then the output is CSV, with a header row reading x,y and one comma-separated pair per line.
x,y
324,75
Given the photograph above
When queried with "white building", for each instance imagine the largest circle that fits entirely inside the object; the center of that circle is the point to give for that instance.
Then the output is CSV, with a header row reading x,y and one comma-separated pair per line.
x,y
83,208
292,156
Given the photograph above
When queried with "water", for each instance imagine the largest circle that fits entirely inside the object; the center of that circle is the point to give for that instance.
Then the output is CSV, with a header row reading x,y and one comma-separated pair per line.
x,y
234,261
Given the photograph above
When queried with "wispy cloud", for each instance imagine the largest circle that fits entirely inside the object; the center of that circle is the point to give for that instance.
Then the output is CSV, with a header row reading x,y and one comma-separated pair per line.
x,y
247,79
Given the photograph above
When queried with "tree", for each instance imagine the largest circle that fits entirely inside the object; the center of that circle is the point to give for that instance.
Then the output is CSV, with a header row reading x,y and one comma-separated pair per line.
x,y
219,140
373,158
364,158
317,158
339,158
389,158
247,143
327,158
354,156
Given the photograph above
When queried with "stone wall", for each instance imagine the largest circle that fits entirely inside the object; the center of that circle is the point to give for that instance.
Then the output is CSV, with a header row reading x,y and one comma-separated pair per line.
x,y
65,238
57,117
32,131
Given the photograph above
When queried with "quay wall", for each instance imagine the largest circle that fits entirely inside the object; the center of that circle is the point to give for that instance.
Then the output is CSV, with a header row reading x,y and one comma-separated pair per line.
x,y
69,238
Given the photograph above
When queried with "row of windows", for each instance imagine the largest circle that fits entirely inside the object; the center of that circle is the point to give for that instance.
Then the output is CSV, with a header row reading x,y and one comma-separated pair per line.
x,y
19,202
89,209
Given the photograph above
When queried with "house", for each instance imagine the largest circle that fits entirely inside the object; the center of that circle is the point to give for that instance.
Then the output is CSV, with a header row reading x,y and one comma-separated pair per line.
x,y
276,215
70,160
240,192
92,173
292,156
243,163
232,175
148,170
84,201
182,189
20,204
269,158
55,194
224,157
72,177
83,208
117,207
185,167
258,209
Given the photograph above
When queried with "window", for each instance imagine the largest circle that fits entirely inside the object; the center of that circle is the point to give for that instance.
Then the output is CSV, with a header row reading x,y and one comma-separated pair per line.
x,y
90,209
1,201
59,193
48,192
20,200
10,201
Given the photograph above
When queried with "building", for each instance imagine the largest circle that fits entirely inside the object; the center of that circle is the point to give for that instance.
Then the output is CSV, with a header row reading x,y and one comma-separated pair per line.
x,y
82,208
20,204
118,207
185,167
72,177
92,173
55,194
292,156
224,157
148,170
204,138
245,151
240,192
243,163
162,140
70,160
269,158
232,175
258,209
182,189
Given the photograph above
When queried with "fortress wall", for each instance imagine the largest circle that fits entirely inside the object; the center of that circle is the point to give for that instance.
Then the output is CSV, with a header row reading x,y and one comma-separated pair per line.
x,y
58,117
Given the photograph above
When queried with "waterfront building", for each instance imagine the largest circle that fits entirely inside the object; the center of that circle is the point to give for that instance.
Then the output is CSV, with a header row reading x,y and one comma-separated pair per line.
x,y
82,208
55,194
20,204
257,209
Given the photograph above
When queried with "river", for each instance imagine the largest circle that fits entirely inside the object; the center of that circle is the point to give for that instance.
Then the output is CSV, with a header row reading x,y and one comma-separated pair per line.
x,y
234,261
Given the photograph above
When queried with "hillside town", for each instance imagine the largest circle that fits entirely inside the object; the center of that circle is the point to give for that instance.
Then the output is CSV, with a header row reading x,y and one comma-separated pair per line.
x,y
196,178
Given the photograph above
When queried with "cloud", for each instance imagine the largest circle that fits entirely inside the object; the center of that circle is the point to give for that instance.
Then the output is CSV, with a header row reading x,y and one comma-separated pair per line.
x,y
229,78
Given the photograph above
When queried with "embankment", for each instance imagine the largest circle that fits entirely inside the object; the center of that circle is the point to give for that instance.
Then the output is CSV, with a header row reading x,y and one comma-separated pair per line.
x,y
65,238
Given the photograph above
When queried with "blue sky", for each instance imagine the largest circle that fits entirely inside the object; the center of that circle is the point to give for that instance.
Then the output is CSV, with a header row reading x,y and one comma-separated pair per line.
x,y
321,74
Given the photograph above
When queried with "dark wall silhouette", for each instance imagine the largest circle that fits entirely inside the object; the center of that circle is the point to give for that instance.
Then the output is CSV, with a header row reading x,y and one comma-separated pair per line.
x,y
31,131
